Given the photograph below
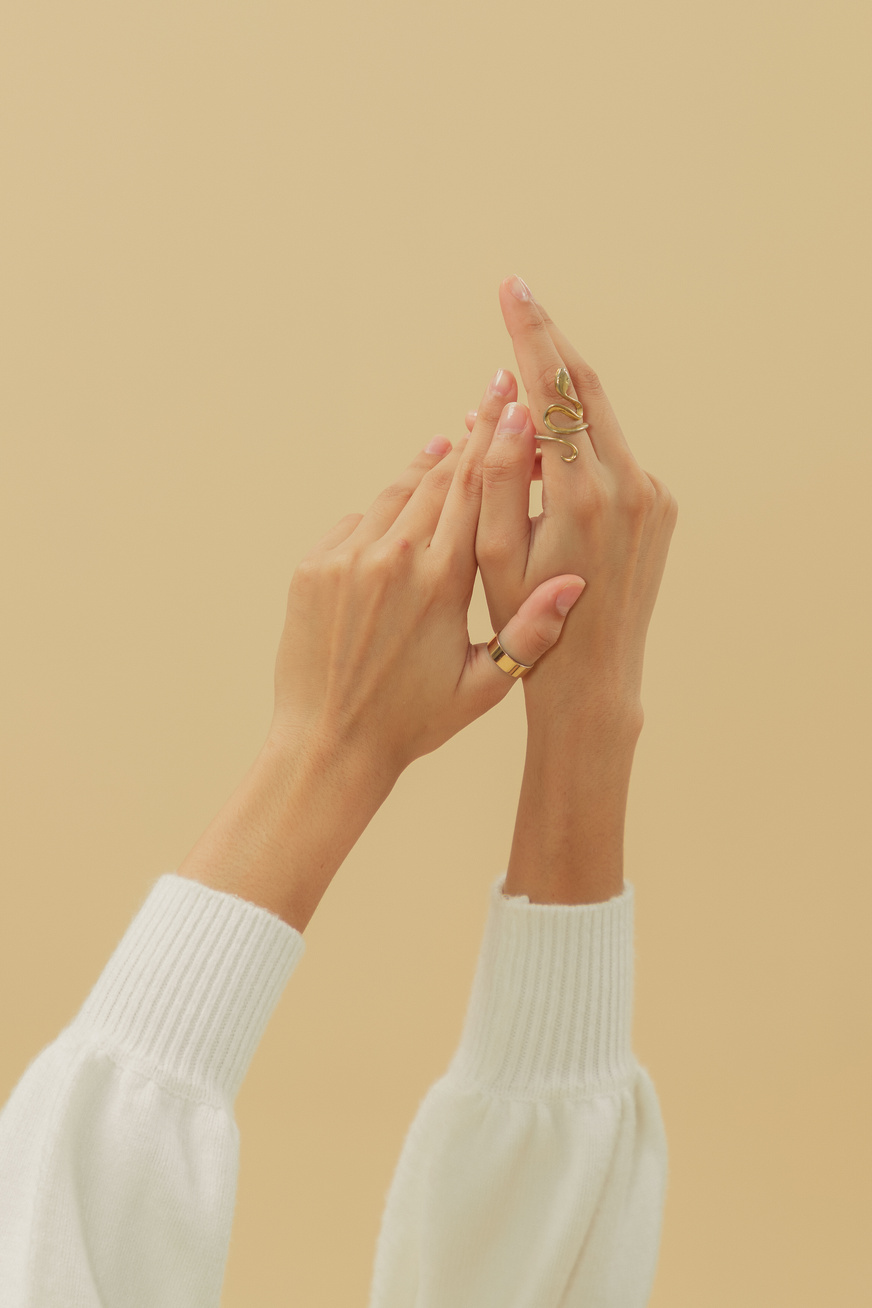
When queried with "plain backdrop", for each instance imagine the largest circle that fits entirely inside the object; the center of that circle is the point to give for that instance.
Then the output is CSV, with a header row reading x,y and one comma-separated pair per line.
x,y
250,255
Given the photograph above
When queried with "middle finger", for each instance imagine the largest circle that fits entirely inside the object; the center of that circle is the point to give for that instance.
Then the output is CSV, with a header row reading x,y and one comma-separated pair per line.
x,y
446,504
539,361
470,418
458,521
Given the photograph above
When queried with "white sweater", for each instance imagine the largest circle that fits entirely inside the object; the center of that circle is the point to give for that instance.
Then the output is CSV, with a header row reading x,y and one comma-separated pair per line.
x,y
533,1175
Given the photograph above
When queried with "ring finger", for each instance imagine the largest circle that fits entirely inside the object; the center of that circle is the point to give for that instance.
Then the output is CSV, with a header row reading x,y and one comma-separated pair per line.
x,y
389,504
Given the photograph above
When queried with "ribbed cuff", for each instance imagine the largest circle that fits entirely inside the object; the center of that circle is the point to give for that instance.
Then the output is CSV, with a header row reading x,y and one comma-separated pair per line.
x,y
189,990
551,1007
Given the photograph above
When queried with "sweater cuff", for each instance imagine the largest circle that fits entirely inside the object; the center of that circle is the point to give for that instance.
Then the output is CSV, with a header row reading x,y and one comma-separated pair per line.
x,y
190,988
550,1011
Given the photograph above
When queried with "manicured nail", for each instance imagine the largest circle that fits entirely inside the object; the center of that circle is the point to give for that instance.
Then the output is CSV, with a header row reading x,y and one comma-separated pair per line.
x,y
501,382
567,597
438,445
520,289
512,420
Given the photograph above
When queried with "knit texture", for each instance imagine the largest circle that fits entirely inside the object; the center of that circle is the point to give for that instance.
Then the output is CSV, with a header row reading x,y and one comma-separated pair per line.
x,y
551,1004
533,1173
188,992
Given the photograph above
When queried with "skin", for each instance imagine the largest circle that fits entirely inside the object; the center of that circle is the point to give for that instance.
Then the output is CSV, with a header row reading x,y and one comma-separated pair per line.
x,y
375,667
612,522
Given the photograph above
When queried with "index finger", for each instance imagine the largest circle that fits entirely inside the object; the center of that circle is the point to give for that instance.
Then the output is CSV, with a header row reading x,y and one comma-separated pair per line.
x,y
540,348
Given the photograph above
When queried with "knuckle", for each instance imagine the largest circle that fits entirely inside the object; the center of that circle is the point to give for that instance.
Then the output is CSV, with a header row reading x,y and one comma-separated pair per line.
x,y
498,468
440,478
593,500
539,639
493,547
544,380
396,495
337,564
388,555
399,549
659,486
636,494
664,496
308,567
588,380
585,380
307,574
468,477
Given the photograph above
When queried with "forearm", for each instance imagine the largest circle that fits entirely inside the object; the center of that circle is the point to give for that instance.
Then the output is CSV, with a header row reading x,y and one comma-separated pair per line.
x,y
568,845
288,827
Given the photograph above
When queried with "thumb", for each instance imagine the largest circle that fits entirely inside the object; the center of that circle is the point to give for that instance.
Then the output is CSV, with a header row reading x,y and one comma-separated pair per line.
x,y
525,638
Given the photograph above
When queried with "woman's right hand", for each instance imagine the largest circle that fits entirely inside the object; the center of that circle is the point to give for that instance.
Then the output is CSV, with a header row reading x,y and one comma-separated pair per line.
x,y
603,517
375,659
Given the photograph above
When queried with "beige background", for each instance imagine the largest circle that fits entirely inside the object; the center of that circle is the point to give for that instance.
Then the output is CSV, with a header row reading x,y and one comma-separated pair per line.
x,y
250,257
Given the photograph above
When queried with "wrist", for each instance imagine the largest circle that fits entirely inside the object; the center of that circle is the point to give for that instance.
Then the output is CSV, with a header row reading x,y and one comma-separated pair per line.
x,y
288,827
571,683
562,712
568,845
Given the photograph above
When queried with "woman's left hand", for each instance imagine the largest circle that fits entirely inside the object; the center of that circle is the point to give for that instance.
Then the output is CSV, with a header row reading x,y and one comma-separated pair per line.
x,y
602,515
375,654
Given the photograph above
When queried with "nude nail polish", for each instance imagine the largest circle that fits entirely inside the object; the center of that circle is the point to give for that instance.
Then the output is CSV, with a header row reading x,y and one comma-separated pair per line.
x,y
519,288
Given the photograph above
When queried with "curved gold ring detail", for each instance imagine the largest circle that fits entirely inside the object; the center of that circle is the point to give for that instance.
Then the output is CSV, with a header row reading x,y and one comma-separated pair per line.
x,y
576,412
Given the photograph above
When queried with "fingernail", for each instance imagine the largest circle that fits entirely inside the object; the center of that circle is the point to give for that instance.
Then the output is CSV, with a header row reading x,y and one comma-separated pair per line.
x,y
512,420
501,382
567,597
519,288
438,445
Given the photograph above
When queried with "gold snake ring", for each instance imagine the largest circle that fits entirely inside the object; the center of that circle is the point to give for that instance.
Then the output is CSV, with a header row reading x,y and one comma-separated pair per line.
x,y
576,412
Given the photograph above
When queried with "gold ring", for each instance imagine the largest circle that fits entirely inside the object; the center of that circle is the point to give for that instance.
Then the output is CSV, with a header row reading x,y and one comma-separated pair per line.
x,y
576,412
505,661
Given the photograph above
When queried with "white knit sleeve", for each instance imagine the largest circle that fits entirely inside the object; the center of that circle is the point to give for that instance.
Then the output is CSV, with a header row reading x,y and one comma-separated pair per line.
x,y
534,1173
118,1146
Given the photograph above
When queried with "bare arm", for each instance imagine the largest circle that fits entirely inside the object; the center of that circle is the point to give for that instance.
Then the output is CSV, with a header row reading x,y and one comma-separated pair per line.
x,y
374,669
568,846
287,828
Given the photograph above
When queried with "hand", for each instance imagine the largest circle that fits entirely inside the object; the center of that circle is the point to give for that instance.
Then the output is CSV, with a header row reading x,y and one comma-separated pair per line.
x,y
375,655
602,517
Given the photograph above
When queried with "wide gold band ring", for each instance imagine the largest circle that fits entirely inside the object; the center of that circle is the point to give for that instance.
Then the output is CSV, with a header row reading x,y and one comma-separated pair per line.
x,y
505,661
